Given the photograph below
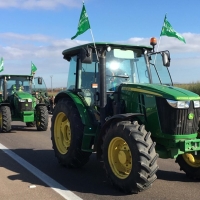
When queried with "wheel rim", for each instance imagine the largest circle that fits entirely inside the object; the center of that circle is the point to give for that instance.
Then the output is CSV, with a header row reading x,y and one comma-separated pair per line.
x,y
191,159
120,158
62,133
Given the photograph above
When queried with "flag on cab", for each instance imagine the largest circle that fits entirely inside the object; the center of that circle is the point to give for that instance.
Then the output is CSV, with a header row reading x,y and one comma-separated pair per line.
x,y
33,68
169,31
83,24
1,65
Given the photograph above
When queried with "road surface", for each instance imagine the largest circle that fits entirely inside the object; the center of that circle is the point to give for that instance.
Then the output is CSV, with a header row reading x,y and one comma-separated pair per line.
x,y
29,170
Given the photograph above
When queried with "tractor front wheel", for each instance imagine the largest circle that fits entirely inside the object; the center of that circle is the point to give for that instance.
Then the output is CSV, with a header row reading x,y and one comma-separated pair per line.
x,y
129,156
42,118
67,134
190,164
5,119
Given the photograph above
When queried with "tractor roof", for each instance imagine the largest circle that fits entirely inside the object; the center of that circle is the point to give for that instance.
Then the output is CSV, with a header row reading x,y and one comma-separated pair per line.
x,y
68,53
14,75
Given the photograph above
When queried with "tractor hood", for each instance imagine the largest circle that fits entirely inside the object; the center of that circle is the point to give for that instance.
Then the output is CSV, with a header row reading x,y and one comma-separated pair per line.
x,y
23,95
164,91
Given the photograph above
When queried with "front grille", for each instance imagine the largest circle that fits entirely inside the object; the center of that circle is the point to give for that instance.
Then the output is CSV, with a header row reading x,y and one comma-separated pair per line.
x,y
175,121
25,106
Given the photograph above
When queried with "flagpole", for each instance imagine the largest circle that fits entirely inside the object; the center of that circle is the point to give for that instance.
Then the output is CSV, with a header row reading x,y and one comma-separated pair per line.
x,y
93,42
157,49
160,34
159,40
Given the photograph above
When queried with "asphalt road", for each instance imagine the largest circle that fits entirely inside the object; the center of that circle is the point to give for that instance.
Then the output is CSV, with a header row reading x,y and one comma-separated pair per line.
x,y
26,149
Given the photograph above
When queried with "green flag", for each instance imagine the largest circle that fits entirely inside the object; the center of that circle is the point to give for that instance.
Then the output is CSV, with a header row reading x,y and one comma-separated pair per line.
x,y
1,65
170,32
83,24
33,68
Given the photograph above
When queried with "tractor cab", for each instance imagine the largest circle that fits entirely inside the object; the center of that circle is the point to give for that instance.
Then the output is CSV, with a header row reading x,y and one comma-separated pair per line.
x,y
98,78
39,90
10,84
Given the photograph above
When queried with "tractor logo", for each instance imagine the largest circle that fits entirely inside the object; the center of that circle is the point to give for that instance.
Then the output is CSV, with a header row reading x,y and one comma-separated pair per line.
x,y
191,116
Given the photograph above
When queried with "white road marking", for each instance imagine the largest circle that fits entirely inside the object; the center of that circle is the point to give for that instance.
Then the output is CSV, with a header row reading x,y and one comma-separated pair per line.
x,y
32,186
64,192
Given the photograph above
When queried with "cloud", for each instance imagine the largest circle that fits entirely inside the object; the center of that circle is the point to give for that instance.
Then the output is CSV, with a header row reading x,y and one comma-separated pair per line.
x,y
34,45
41,4
173,44
45,52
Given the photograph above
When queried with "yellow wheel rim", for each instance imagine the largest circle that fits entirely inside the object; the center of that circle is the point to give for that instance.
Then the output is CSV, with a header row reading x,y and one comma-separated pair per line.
x,y
62,133
192,160
119,157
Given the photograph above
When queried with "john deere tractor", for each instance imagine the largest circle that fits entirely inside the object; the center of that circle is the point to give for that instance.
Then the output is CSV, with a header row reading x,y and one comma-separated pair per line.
x,y
22,100
121,104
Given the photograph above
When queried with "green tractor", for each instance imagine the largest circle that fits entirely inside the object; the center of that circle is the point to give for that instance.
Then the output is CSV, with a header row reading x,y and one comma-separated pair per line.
x,y
121,104
22,100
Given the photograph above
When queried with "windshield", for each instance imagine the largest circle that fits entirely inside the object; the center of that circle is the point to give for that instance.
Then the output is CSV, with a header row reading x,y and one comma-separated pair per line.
x,y
39,86
17,83
129,66
158,70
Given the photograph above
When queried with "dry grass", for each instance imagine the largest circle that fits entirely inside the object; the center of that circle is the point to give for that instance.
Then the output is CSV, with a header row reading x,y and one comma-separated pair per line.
x,y
193,87
55,91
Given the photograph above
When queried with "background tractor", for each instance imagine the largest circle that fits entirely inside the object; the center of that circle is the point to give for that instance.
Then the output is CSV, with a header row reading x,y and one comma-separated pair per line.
x,y
23,98
122,105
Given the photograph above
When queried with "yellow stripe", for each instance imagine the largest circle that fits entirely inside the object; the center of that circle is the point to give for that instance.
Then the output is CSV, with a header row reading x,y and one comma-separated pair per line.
x,y
187,98
157,94
141,91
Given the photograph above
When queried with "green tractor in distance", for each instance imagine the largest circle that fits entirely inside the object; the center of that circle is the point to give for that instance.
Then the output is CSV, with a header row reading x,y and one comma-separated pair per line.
x,y
39,90
20,100
123,106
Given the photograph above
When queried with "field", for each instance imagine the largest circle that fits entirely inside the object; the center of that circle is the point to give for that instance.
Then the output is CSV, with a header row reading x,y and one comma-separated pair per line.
x,y
194,87
54,91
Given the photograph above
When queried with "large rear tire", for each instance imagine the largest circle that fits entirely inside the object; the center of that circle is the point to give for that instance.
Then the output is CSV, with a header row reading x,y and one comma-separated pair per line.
x,y
190,164
67,134
129,157
5,119
42,118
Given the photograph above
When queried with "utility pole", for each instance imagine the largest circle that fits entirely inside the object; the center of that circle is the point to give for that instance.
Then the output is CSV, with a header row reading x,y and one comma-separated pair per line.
x,y
51,84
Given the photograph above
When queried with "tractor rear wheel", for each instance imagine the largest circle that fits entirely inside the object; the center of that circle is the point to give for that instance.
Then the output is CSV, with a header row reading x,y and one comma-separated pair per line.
x,y
190,164
129,156
67,134
5,119
30,124
42,118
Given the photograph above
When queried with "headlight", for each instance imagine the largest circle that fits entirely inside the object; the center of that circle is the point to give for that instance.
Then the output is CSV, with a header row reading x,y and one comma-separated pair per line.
x,y
29,100
178,104
196,104
22,100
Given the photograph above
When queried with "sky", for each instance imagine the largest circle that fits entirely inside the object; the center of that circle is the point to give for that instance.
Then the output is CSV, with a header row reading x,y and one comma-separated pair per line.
x,y
39,30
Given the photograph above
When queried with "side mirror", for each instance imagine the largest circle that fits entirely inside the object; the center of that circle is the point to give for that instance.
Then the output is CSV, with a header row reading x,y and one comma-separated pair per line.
x,y
166,58
39,80
86,55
